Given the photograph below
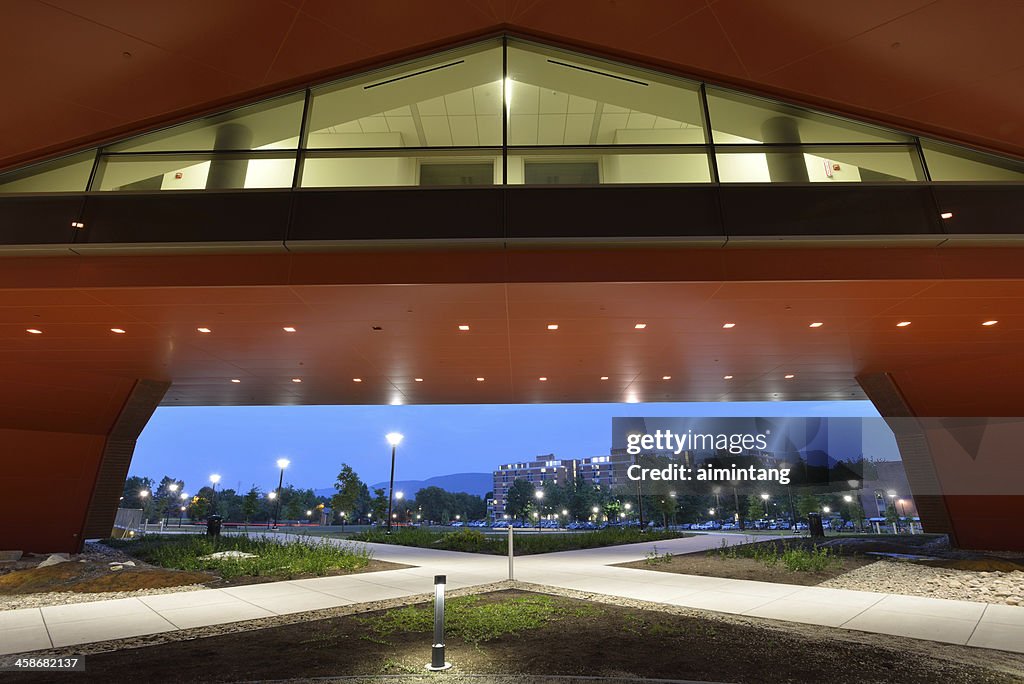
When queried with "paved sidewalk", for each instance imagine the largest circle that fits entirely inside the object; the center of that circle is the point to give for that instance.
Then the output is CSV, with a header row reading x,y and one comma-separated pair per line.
x,y
958,622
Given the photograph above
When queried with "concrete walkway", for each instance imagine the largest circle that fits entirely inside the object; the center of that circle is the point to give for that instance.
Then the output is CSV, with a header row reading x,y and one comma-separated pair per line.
x,y
957,622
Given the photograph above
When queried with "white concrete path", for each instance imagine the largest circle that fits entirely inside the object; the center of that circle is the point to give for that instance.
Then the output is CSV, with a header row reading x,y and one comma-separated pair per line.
x,y
957,622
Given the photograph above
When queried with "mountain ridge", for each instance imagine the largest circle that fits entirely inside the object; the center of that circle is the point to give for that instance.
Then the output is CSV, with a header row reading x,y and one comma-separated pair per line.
x,y
471,483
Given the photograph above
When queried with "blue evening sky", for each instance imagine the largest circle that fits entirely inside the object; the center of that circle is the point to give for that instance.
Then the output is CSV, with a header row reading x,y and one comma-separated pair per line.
x,y
243,443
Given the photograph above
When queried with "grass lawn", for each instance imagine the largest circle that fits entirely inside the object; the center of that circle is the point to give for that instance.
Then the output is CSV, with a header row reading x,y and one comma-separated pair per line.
x,y
513,633
474,541
274,559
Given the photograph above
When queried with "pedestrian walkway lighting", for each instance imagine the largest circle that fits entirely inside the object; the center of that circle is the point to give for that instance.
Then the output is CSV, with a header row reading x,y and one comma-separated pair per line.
x,y
437,661
173,487
826,509
143,494
394,439
764,497
847,498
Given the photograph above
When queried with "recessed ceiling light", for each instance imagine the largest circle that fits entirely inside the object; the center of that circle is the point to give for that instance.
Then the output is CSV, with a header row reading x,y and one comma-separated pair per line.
x,y
235,380
990,322
946,215
666,377
119,331
418,379
357,379
463,327
289,328
903,324
479,379
640,326
816,324
543,379
552,326
727,377
34,331
728,325
789,376
604,377
296,379
204,330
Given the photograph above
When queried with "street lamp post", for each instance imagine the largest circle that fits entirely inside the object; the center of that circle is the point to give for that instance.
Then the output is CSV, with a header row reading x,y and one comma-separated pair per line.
x,y
394,439
282,463
765,497
184,498
398,495
172,488
539,495
214,479
272,496
145,518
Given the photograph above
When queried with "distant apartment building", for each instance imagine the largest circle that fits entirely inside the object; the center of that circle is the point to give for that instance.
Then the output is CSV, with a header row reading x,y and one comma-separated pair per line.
x,y
602,471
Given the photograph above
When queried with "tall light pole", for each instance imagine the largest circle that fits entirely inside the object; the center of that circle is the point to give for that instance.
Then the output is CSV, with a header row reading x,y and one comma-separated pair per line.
x,y
539,495
214,479
184,498
172,488
765,497
282,463
394,439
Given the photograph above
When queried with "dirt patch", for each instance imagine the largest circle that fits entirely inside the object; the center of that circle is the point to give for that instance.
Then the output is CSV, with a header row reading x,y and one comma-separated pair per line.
x,y
583,638
89,577
713,563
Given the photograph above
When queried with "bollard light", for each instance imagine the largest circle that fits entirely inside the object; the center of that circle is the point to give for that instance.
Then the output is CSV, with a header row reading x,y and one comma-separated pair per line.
x,y
437,661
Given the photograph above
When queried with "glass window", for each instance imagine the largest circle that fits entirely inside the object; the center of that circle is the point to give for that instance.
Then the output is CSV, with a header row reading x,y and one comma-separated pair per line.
x,y
425,167
742,119
608,165
151,172
819,164
450,99
558,98
68,174
950,163
271,125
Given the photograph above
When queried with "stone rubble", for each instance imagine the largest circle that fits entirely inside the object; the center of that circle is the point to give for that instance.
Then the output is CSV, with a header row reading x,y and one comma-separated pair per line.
x,y
911,579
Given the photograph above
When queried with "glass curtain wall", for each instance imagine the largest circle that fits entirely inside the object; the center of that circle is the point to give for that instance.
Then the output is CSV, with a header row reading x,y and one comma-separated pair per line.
x,y
508,111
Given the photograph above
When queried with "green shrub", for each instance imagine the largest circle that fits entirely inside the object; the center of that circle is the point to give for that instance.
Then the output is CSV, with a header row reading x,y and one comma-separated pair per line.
x,y
795,559
274,558
816,560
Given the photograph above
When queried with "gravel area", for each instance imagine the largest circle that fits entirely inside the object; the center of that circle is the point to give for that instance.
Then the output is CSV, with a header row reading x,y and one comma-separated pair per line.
x,y
894,577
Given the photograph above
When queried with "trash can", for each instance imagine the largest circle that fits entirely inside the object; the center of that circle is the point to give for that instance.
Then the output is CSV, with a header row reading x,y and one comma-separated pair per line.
x,y
814,524
213,525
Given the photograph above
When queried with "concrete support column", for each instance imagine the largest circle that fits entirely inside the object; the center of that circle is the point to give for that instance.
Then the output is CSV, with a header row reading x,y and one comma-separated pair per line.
x,y
784,166
228,174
